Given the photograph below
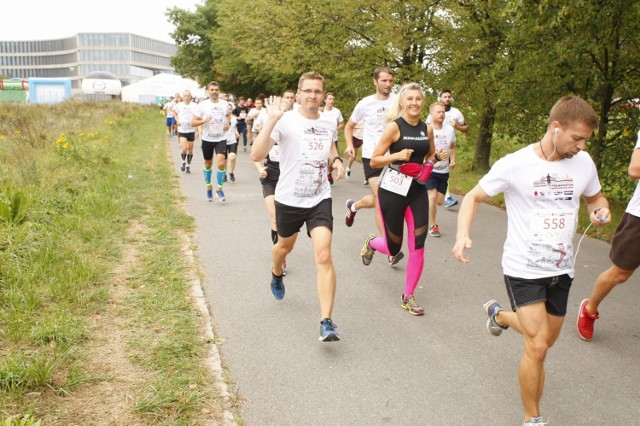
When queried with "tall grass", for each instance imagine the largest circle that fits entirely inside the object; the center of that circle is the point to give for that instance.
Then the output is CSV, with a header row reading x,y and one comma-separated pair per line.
x,y
72,179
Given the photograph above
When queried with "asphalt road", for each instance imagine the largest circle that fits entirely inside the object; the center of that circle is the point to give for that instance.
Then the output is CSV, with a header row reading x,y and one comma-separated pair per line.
x,y
391,368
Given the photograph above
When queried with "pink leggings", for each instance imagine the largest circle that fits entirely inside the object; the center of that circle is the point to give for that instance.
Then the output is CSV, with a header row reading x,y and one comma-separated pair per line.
x,y
413,208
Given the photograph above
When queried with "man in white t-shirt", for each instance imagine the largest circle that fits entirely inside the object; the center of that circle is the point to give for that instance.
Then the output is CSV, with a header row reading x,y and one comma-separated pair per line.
x,y
624,255
183,113
329,108
372,110
454,117
303,194
444,136
214,116
168,112
542,185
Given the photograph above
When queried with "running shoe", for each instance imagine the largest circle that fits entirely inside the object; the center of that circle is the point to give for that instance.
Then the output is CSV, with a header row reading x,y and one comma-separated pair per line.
x,y
284,267
585,321
188,170
366,182
225,178
351,215
330,179
220,195
410,304
244,149
328,331
277,287
450,202
232,177
491,307
209,194
535,421
183,167
366,254
434,231
348,173
393,260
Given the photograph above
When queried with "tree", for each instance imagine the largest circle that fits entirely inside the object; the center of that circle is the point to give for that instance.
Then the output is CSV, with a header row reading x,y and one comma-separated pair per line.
x,y
588,48
193,36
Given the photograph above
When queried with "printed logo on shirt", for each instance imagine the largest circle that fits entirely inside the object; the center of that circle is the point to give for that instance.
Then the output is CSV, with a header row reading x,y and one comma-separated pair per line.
x,y
553,187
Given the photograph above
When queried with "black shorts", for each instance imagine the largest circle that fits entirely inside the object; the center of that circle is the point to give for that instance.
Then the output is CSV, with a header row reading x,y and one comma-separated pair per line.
x,y
268,188
554,291
269,183
438,181
289,219
191,136
220,148
357,143
368,171
232,148
624,245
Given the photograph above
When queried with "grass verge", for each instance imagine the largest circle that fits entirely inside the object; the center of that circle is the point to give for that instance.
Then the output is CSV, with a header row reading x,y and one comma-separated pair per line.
x,y
96,325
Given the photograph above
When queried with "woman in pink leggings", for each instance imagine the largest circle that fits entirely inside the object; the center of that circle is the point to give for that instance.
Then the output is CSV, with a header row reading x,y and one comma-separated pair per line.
x,y
404,150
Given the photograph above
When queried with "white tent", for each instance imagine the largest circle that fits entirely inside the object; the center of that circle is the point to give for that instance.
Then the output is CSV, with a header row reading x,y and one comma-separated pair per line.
x,y
152,89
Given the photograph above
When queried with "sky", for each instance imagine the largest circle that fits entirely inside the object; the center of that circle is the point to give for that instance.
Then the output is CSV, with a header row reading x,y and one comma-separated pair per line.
x,y
44,20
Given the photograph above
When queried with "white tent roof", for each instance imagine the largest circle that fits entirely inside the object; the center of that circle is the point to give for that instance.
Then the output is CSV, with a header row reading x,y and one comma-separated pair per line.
x,y
160,85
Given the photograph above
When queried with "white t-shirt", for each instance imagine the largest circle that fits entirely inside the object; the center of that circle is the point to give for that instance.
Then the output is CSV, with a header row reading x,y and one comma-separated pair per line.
x,y
634,204
213,130
542,198
231,133
444,138
168,107
336,115
373,112
185,113
453,114
259,120
304,146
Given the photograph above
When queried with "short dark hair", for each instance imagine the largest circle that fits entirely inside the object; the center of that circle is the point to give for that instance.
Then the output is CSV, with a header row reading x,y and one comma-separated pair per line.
x,y
380,70
573,108
443,91
213,83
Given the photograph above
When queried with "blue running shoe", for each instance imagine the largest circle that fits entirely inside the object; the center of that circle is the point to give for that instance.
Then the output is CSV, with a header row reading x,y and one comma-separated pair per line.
x,y
450,202
277,287
220,195
492,308
328,331
209,194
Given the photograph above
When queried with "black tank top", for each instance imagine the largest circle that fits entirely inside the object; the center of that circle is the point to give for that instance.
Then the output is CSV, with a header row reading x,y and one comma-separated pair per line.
x,y
411,137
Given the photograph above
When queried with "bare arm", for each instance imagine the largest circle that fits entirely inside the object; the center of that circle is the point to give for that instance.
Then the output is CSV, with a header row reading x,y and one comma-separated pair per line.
x,y
467,213
634,165
390,135
348,138
263,143
335,161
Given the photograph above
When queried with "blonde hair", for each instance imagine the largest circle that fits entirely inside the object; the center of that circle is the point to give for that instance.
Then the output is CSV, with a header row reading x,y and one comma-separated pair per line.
x,y
311,75
395,110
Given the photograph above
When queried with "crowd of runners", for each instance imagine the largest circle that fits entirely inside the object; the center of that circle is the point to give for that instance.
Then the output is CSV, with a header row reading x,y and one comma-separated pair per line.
x,y
408,149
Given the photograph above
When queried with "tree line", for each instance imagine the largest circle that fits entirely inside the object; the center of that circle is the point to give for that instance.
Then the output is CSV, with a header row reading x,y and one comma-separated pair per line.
x,y
505,61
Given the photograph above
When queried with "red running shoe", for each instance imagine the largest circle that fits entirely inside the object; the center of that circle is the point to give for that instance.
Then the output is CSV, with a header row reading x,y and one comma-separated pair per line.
x,y
585,321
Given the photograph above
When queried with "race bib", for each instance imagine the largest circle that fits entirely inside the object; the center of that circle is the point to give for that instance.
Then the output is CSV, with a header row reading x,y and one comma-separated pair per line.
x,y
552,226
395,182
315,147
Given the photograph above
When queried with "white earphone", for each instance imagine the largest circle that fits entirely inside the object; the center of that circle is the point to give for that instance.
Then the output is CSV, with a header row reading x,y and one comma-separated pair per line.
x,y
556,130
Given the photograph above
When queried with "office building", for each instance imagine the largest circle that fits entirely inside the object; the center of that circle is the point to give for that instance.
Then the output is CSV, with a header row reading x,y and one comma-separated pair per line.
x,y
129,56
